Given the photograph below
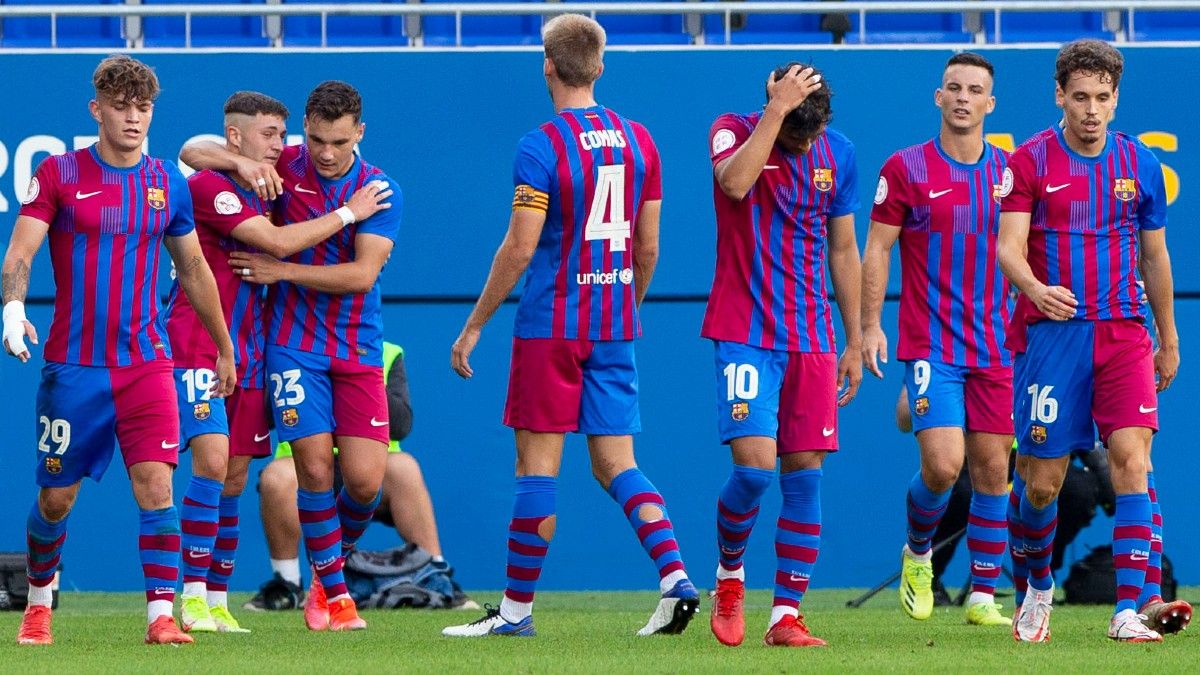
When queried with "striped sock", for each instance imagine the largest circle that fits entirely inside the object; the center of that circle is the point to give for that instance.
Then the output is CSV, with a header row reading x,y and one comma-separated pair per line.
x,y
925,510
158,548
354,517
533,505
1131,547
797,539
1038,526
647,513
45,541
1152,589
223,552
987,534
1016,539
737,510
323,539
198,520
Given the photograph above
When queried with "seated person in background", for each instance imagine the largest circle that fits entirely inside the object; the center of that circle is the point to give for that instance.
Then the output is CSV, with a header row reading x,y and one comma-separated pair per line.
x,y
405,504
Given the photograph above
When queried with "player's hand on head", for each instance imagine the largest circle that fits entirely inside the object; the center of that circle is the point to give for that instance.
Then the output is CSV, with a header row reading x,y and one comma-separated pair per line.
x,y
849,376
261,177
1166,366
874,350
256,267
789,91
370,199
226,376
460,352
1055,302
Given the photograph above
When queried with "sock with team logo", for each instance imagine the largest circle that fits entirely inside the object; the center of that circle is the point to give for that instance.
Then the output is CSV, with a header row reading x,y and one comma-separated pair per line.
x,y
737,510
1131,547
925,511
987,539
323,539
529,534
354,517
1152,589
158,547
1038,527
199,517
647,513
223,552
45,541
1016,539
797,539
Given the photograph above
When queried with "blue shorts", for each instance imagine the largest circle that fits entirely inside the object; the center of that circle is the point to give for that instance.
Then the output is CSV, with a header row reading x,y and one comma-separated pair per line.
x,y
948,395
316,394
199,413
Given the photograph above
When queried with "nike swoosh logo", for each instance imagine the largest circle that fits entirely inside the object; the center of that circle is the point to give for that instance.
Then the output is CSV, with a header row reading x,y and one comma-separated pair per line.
x,y
325,565
935,195
300,189
827,432
1143,409
1055,188
793,577
85,195
260,439
771,166
377,423
1136,557
168,446
196,556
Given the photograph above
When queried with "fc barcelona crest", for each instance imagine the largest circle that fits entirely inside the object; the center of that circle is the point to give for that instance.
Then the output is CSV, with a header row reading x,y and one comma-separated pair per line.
x,y
998,192
53,465
921,405
201,411
1125,189
740,412
290,417
823,179
156,198
1038,434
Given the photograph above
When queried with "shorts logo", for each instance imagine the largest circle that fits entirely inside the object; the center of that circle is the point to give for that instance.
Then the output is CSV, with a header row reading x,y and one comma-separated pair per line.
x,y
740,412
823,179
1038,434
290,416
202,411
921,405
1125,189
53,465
156,198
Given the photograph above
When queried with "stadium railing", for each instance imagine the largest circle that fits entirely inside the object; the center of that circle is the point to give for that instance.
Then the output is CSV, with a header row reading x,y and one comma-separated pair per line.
x,y
270,24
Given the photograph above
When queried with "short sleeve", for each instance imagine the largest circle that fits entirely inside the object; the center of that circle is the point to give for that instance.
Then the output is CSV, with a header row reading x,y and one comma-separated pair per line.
x,y
41,197
217,205
652,188
385,223
845,197
1019,185
892,203
728,133
1152,207
534,165
182,218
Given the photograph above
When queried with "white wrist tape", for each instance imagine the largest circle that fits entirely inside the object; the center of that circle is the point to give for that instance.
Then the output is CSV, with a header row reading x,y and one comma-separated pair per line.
x,y
14,326
346,215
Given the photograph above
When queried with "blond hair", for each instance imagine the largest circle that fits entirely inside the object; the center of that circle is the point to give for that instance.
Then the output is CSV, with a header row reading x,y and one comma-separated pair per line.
x,y
574,43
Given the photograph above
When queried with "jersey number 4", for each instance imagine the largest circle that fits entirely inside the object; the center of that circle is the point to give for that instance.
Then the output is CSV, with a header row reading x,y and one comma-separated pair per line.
x,y
609,199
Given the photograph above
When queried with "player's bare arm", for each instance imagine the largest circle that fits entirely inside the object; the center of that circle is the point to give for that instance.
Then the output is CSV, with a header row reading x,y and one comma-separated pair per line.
x,y
876,260
846,271
1055,302
281,242
645,248
27,237
371,252
737,174
1155,268
197,282
261,176
508,266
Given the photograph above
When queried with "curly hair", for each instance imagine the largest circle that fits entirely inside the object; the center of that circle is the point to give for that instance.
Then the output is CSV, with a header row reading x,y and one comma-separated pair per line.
x,y
1094,57
574,43
122,77
815,112
332,100
254,103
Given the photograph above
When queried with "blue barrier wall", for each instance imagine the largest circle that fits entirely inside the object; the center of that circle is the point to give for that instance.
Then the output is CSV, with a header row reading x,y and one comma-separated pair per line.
x,y
444,125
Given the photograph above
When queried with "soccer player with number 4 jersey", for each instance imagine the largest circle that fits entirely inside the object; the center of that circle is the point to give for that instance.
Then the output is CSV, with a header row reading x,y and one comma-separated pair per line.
x,y
785,190
108,208
940,200
1083,212
588,190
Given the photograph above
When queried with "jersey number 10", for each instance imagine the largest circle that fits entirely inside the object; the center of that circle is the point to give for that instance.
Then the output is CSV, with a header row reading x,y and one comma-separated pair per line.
x,y
609,198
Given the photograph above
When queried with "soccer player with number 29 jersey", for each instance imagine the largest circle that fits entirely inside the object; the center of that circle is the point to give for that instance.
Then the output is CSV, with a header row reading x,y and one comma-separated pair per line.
x,y
785,190
108,208
940,201
588,190
1084,210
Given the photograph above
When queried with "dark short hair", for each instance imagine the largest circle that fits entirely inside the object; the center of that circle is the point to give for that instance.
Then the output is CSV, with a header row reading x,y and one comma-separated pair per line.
x,y
1094,57
254,103
332,100
121,76
972,59
815,112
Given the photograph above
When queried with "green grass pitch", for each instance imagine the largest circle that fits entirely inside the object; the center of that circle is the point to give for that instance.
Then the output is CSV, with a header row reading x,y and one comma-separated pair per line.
x,y
589,632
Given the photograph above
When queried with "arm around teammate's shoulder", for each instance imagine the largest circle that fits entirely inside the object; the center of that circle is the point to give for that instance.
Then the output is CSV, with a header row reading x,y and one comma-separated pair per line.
x,y
260,176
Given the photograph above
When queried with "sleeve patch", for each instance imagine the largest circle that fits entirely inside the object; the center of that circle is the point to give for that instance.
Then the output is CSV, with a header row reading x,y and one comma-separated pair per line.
x,y
881,190
227,204
722,141
526,197
1006,185
31,194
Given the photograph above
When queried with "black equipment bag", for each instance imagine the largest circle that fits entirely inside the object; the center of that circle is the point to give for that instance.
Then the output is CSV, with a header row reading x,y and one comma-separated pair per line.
x,y
1093,579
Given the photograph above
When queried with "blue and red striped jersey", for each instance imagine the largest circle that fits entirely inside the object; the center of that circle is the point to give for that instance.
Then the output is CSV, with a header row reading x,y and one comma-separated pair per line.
x,y
770,285
220,206
591,170
341,326
106,229
1085,215
954,300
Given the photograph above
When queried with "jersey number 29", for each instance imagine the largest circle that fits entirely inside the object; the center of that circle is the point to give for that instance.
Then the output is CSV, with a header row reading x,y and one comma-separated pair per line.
x,y
609,198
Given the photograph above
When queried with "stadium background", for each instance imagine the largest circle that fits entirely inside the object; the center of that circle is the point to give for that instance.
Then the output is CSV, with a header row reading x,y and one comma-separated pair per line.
x,y
444,125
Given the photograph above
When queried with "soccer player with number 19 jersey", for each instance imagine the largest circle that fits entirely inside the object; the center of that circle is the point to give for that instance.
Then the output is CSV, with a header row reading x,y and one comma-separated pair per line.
x,y
588,190
1083,209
